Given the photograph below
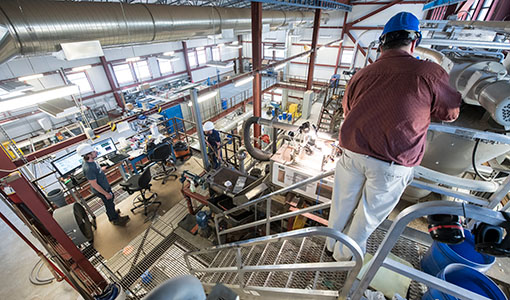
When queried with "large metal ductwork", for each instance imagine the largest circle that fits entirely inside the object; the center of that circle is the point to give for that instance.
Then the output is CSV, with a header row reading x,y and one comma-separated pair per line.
x,y
37,27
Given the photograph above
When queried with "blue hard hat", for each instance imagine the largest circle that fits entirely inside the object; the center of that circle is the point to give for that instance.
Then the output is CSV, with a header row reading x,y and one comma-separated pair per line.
x,y
403,21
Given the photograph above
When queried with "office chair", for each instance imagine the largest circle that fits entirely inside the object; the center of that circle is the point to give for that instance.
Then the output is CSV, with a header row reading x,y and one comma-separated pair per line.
x,y
141,183
160,155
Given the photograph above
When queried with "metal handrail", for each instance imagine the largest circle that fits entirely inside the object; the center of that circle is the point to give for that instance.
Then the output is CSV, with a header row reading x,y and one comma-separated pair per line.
x,y
400,223
353,266
268,220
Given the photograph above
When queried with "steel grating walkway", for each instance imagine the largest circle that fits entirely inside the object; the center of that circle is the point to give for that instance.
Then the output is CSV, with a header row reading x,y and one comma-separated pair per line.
x,y
157,254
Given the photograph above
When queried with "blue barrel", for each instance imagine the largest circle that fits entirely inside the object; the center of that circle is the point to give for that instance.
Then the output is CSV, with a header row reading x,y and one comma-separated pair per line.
x,y
468,278
440,255
224,104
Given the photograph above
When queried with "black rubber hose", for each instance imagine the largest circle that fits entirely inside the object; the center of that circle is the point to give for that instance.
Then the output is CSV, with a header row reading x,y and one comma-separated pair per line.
x,y
254,152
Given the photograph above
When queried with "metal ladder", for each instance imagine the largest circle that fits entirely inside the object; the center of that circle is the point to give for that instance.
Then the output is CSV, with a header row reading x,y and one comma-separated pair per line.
x,y
331,111
289,265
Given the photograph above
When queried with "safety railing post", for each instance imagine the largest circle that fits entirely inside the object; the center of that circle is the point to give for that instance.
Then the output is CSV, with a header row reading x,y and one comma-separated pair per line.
x,y
268,216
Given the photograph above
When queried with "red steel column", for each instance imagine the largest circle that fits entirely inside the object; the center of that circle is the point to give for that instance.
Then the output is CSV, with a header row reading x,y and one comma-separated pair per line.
x,y
315,38
114,88
186,60
256,47
31,198
240,39
339,55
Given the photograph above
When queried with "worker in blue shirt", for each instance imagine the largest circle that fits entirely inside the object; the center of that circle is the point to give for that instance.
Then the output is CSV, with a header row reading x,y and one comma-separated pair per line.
x,y
214,143
99,183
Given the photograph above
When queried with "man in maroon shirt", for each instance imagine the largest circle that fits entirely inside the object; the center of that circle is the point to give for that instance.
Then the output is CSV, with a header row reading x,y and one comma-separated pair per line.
x,y
388,107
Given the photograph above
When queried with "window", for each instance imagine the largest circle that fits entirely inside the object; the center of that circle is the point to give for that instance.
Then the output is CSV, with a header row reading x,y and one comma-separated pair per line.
x,y
346,56
268,54
165,66
142,70
202,58
471,11
279,54
192,57
485,10
81,80
216,56
123,74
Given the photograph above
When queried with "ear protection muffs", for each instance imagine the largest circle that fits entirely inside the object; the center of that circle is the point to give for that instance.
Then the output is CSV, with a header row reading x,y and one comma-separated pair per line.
x,y
446,229
490,239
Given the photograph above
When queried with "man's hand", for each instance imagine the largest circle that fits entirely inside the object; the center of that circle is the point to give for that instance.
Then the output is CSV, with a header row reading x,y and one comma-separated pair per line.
x,y
103,169
109,196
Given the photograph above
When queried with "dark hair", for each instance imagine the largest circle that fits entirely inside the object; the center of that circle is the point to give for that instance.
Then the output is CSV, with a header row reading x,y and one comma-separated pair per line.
x,y
86,157
397,39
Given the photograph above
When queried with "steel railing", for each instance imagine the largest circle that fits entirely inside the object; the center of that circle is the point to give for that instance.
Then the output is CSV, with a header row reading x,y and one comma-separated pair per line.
x,y
269,219
241,268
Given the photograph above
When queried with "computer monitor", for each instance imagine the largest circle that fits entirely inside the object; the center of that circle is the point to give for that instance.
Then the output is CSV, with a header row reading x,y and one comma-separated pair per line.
x,y
104,147
68,163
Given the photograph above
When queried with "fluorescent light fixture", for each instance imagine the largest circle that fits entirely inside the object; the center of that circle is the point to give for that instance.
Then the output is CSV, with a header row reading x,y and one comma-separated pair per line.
x,y
11,94
294,35
169,53
200,48
221,45
132,59
38,97
81,50
234,46
82,68
30,77
207,96
190,104
279,67
326,36
235,43
219,64
243,81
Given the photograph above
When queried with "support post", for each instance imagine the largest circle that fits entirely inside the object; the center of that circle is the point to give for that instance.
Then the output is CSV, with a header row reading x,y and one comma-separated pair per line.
x,y
109,76
339,55
200,131
256,37
240,40
315,38
186,60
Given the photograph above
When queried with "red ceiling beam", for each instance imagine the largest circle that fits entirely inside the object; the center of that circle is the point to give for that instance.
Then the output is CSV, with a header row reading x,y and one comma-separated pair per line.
x,y
315,38
499,10
375,12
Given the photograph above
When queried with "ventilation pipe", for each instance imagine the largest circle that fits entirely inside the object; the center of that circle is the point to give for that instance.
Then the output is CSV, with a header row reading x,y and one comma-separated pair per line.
x,y
29,27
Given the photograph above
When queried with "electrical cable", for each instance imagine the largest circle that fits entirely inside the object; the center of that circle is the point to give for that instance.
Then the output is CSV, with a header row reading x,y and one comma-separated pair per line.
x,y
474,154
34,275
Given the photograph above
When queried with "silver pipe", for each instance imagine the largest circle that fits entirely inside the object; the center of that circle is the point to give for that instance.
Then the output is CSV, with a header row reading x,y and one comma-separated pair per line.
x,y
435,56
355,54
36,27
463,43
200,130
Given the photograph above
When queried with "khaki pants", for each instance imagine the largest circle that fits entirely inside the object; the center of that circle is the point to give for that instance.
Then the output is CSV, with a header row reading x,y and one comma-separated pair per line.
x,y
371,186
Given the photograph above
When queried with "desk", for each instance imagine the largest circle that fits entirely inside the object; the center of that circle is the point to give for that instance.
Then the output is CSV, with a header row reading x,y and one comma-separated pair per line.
x,y
134,157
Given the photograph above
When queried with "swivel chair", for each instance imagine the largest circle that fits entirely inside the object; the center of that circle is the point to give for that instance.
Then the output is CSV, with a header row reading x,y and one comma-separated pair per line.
x,y
161,155
141,183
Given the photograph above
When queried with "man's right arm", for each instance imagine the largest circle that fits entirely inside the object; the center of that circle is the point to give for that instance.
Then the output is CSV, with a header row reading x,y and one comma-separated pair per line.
x,y
446,100
93,183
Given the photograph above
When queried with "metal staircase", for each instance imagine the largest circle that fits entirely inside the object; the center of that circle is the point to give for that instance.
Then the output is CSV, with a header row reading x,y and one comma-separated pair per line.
x,y
290,265
331,113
